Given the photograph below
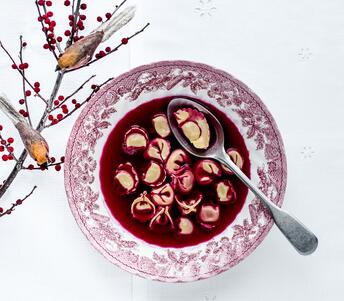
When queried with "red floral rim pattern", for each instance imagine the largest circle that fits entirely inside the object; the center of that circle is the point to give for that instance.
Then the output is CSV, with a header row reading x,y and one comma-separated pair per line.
x,y
123,249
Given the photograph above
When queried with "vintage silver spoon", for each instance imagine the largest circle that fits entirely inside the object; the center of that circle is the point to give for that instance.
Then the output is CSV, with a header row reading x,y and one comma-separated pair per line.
x,y
304,241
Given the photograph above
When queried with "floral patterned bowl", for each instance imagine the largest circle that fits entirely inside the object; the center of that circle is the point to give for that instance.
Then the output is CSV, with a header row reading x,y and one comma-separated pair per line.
x,y
108,105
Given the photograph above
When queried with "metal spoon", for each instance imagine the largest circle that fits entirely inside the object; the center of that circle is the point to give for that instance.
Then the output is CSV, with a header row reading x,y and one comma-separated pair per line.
x,y
304,241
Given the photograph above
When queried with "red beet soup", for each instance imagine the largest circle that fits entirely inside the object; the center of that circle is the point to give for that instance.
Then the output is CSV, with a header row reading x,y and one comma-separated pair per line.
x,y
120,205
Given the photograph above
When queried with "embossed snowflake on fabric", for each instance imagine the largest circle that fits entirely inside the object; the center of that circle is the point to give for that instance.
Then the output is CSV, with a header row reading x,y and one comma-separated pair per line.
x,y
205,8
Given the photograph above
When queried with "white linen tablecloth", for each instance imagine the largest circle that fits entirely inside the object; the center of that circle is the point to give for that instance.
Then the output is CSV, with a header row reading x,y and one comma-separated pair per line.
x,y
290,53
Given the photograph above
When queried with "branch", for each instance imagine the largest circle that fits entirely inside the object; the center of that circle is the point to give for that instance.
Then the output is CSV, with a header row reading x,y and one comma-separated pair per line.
x,y
75,19
123,42
17,203
75,92
23,80
82,103
21,72
117,7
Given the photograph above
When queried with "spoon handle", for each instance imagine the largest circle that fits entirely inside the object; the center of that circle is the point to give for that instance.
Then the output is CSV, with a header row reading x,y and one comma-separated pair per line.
x,y
303,240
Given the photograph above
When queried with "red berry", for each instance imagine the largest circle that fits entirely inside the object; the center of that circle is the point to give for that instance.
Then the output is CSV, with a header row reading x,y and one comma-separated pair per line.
x,y
61,97
14,66
77,105
65,111
10,157
102,53
70,17
82,17
99,19
3,142
55,121
19,202
51,117
108,49
67,3
1,210
36,84
46,46
39,19
81,27
97,56
31,167
26,65
48,3
94,86
67,33
21,66
40,2
50,13
59,39
37,89
80,23
21,101
4,157
108,15
9,212
26,114
10,140
83,6
52,159
2,148
62,159
57,167
10,149
56,102
125,41
27,92
59,116
1,128
52,24
47,21
24,44
73,101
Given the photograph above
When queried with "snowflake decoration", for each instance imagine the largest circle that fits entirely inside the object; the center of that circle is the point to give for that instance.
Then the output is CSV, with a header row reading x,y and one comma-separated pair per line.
x,y
307,152
205,8
305,54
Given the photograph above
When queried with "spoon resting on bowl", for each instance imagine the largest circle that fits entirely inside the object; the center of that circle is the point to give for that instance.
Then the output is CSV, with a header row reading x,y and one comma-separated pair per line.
x,y
304,241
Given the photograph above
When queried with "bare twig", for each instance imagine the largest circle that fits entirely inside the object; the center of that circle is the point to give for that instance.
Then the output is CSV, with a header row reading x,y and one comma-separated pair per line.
x,y
112,51
21,72
19,202
49,165
75,92
117,7
23,80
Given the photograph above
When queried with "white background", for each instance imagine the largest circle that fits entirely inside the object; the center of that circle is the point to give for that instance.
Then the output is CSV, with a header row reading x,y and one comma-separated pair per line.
x,y
290,53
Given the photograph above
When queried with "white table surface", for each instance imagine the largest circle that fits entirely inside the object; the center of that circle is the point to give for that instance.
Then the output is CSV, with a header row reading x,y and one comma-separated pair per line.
x,y
290,53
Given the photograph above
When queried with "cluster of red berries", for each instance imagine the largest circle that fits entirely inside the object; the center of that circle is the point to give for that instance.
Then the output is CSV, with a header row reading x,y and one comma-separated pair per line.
x,y
48,26
6,145
107,17
59,103
108,49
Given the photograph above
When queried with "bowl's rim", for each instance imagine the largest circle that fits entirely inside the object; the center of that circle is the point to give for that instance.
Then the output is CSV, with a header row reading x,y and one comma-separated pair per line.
x,y
120,78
